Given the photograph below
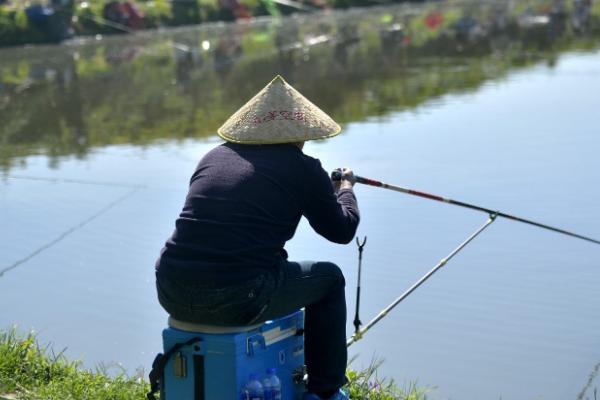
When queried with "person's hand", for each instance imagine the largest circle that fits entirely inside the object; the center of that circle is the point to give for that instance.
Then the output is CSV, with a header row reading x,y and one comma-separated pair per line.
x,y
348,180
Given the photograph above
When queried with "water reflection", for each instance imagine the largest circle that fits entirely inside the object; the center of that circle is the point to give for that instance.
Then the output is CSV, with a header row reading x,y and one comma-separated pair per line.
x,y
63,100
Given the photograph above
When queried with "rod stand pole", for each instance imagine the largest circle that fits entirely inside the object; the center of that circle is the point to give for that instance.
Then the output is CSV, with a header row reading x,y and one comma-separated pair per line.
x,y
361,245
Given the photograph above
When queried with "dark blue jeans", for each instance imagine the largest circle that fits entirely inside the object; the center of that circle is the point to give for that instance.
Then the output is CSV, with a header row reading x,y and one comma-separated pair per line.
x,y
317,286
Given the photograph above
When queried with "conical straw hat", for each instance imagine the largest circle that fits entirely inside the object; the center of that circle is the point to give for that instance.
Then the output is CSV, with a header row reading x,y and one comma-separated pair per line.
x,y
278,114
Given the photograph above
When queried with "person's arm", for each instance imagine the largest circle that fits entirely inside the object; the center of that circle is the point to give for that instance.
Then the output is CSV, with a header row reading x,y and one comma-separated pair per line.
x,y
331,208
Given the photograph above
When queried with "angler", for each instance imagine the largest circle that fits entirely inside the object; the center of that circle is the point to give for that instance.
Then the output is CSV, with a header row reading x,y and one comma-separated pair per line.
x,y
225,264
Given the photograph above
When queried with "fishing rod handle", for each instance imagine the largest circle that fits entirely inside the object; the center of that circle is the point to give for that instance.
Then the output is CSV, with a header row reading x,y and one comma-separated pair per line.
x,y
336,176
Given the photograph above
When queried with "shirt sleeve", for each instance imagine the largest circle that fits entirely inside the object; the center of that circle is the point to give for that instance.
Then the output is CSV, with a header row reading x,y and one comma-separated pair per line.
x,y
333,216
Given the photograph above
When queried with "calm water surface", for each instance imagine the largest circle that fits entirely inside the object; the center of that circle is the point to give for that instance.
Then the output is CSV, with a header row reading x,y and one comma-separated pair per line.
x,y
491,104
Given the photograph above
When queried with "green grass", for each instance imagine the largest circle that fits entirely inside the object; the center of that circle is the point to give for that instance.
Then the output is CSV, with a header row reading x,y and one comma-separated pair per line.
x,y
366,384
30,371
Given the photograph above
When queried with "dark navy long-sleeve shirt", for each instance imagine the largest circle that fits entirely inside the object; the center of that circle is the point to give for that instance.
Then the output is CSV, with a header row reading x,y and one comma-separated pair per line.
x,y
245,202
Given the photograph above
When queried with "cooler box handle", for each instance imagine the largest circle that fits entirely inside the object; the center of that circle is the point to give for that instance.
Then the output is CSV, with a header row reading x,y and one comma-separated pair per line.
x,y
253,341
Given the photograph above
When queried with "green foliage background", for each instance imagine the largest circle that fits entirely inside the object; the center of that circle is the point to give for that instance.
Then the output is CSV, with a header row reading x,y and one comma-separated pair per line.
x,y
141,89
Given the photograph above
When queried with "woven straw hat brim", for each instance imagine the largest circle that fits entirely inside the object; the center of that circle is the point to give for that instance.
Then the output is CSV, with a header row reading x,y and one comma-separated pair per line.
x,y
278,114
273,141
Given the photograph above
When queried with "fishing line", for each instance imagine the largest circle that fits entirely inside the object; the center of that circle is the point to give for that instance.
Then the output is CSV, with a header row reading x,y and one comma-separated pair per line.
x,y
76,181
68,232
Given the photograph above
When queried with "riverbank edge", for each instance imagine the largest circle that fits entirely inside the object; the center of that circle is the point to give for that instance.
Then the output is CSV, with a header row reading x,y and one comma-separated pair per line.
x,y
87,18
29,370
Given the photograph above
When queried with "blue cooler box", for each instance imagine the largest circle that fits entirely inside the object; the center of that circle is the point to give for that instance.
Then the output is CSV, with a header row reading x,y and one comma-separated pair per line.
x,y
217,366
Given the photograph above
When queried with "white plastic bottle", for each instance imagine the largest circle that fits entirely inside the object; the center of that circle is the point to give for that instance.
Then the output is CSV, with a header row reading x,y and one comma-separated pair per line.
x,y
253,389
272,385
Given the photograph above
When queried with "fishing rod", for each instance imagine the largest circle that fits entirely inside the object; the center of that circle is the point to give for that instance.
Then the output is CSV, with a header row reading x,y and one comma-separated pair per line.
x,y
124,28
337,175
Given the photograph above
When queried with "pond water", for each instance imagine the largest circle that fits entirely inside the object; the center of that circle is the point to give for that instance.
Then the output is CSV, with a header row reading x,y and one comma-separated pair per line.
x,y
493,104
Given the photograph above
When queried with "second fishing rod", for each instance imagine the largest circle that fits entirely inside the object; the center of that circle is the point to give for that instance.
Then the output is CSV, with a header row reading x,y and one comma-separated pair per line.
x,y
336,175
